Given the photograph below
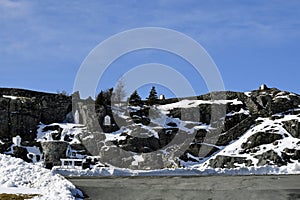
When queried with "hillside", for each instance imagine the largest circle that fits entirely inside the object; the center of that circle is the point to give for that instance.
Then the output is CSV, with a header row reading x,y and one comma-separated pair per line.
x,y
227,130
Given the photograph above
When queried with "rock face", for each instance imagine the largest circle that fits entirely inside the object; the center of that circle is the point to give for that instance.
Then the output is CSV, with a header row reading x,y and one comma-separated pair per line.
x,y
259,112
260,138
258,128
228,162
21,111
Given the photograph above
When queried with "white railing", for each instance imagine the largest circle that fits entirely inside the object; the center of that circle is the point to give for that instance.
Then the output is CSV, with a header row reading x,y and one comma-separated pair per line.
x,y
70,160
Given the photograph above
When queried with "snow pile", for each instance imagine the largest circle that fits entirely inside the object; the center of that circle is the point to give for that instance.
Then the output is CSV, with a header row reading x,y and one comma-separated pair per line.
x,y
290,168
17,175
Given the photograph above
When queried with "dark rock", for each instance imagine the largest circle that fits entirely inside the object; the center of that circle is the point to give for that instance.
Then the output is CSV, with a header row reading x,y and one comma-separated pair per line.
x,y
20,152
270,158
172,124
53,151
80,149
86,165
296,155
52,128
22,115
232,121
198,150
235,132
293,154
293,127
200,136
260,138
193,149
228,162
146,144
5,146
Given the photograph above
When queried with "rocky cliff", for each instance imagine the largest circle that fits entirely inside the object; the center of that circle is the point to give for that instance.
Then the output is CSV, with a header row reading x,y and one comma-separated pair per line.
x,y
233,129
21,111
258,128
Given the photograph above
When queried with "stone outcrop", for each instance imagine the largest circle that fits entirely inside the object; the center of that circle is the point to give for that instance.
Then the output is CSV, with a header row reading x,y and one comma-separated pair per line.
x,y
229,162
21,111
53,151
270,158
21,152
293,127
260,138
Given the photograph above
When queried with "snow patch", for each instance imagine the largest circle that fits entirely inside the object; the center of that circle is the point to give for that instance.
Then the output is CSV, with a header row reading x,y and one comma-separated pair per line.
x,y
248,94
68,129
10,97
242,111
194,103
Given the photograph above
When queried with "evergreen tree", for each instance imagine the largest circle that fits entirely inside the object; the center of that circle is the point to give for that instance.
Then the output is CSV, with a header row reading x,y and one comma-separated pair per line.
x,y
152,98
135,99
104,97
100,98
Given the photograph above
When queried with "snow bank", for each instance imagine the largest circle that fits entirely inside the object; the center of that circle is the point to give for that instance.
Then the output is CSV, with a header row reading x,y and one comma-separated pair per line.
x,y
291,168
21,177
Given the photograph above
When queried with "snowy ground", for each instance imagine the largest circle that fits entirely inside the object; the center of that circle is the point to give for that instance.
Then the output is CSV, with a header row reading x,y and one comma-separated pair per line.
x,y
19,177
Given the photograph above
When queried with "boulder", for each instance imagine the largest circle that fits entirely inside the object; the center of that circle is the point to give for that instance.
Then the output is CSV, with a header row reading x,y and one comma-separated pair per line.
x,y
261,138
20,152
228,162
270,158
293,127
53,151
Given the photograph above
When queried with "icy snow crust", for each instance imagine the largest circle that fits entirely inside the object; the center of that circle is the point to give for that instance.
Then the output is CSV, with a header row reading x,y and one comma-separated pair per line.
x,y
19,177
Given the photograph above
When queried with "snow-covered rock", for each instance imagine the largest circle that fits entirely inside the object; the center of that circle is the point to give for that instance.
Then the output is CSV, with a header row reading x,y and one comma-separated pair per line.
x,y
257,130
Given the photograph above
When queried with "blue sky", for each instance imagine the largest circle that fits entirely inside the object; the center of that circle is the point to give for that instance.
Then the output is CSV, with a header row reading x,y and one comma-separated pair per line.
x,y
43,43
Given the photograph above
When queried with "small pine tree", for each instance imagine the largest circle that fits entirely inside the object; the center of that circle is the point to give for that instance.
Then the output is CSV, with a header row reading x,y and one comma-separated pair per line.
x,y
152,98
100,98
135,99
104,97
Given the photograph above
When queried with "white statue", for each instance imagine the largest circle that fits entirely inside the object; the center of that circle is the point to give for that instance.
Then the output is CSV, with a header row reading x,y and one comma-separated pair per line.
x,y
76,117
17,140
107,121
